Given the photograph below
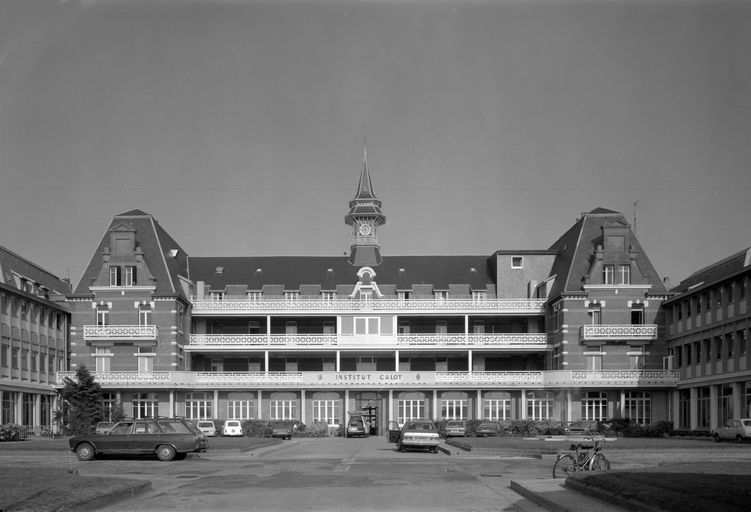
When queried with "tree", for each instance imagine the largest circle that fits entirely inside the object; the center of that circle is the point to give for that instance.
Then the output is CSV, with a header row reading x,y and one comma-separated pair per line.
x,y
81,402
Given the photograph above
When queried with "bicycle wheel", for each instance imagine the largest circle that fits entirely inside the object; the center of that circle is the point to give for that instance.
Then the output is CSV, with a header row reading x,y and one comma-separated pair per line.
x,y
600,463
564,466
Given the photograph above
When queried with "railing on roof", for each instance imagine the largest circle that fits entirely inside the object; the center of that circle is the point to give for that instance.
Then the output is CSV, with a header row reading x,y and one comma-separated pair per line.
x,y
528,341
226,306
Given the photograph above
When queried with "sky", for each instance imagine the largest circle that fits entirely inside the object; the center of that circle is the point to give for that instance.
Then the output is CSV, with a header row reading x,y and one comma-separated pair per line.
x,y
490,125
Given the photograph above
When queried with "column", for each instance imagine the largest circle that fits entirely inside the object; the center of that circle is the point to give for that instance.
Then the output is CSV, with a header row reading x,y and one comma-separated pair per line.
x,y
569,416
266,362
268,330
346,406
338,360
676,409
435,405
478,407
713,413
522,405
260,402
693,409
391,405
738,411
466,333
172,403
469,361
396,360
302,408
216,403
3,421
36,414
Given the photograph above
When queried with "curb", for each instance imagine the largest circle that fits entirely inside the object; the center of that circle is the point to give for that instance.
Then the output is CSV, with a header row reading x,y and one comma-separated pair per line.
x,y
633,506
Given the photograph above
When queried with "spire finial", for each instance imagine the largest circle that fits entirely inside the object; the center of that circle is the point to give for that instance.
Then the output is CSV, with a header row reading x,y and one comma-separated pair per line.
x,y
364,144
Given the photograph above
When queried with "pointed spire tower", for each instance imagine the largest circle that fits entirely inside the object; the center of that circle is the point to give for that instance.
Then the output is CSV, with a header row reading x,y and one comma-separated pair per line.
x,y
365,216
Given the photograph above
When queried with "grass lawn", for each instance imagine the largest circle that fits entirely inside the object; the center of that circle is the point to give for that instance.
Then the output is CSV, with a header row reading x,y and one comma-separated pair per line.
x,y
674,491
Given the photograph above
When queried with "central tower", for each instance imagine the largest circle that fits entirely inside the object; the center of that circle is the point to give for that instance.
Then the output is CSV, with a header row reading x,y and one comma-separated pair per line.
x,y
365,216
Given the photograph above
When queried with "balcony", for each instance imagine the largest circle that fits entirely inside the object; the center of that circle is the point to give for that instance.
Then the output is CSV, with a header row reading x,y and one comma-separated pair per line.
x,y
281,306
636,332
255,342
529,380
120,332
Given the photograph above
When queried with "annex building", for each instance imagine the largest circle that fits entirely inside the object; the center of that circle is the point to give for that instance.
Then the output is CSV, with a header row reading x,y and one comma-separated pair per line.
x,y
574,331
33,341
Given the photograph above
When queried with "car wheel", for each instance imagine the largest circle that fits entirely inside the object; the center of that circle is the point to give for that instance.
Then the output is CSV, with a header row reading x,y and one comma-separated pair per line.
x,y
717,438
738,439
165,452
402,448
85,451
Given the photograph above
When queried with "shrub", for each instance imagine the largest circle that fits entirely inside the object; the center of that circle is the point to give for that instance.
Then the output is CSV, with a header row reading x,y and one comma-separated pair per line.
x,y
12,433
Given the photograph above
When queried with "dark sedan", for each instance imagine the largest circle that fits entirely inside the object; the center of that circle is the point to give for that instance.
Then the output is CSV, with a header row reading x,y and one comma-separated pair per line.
x,y
488,429
166,438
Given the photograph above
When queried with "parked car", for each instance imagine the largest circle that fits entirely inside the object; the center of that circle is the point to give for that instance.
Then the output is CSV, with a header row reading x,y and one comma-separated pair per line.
x,y
456,428
488,428
357,426
737,430
207,427
103,427
232,428
166,438
419,434
280,430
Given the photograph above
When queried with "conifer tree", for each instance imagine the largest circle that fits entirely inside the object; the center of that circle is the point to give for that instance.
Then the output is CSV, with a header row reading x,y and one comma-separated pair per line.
x,y
81,402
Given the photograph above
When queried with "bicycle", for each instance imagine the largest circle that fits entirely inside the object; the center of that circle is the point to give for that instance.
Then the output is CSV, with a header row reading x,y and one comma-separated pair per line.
x,y
584,458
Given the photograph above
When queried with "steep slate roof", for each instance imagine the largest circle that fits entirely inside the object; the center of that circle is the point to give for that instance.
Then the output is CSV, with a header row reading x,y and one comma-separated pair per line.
x,y
11,262
576,247
156,245
293,271
715,272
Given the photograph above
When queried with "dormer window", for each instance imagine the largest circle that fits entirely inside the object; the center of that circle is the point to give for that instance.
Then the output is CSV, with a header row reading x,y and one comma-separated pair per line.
x,y
607,274
216,295
123,276
441,295
291,296
624,274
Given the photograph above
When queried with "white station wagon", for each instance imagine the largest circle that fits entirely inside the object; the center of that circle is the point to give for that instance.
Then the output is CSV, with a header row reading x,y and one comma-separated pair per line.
x,y
737,430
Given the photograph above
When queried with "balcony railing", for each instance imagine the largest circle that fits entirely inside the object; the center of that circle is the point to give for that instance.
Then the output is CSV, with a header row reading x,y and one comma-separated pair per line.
x,y
557,379
212,342
618,332
226,306
120,332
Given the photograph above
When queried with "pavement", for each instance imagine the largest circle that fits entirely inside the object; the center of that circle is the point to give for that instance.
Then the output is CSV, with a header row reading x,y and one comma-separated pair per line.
x,y
555,495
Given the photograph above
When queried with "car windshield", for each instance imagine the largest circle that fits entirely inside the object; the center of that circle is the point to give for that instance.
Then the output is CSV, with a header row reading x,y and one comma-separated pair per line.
x,y
420,426
747,423
455,424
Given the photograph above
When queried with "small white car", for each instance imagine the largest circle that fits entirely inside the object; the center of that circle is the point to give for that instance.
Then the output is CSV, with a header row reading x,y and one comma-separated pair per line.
x,y
737,430
207,427
232,428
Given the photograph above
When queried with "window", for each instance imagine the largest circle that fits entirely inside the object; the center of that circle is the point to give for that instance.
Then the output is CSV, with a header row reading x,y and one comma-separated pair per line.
x,y
291,296
595,314
241,409
328,296
479,296
216,295
684,408
144,314
707,350
742,289
454,409
102,356
367,325
14,358
441,295
130,276
594,360
478,327
410,410
402,296
102,314
746,400
595,406
254,327
327,411
290,327
687,350
115,276
539,405
145,405
636,357
724,404
329,327
637,315
718,347
254,297
108,405
624,274
731,288
496,409
730,344
441,327
283,409
638,407
145,357
199,405
517,262
607,274
742,343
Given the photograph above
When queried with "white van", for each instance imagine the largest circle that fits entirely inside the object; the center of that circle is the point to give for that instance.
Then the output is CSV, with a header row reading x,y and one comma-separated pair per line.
x,y
232,428
207,427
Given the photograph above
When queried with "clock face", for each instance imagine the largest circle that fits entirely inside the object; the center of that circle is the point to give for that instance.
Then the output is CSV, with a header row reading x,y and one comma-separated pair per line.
x,y
364,229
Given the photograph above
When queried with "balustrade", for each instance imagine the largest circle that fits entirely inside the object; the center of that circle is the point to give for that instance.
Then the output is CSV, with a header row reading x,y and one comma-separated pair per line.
x,y
105,332
619,331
